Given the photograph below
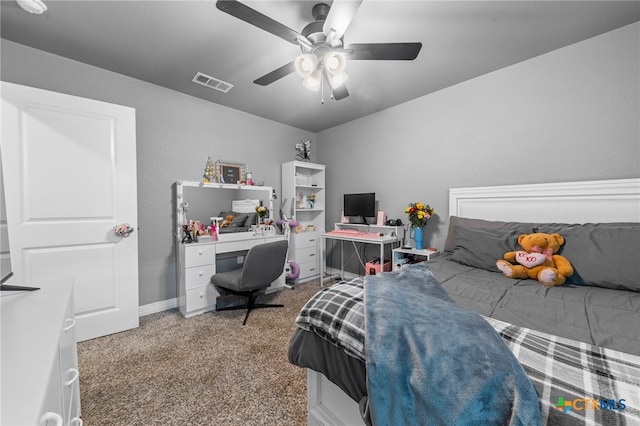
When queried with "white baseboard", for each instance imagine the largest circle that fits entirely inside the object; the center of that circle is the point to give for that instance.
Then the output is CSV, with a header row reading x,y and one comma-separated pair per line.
x,y
153,308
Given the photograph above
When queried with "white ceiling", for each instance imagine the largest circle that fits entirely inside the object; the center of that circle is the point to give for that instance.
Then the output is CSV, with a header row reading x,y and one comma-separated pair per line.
x,y
168,42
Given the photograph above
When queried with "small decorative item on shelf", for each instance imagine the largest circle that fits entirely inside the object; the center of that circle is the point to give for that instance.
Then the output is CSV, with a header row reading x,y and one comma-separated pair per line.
x,y
262,212
419,214
209,171
301,202
230,172
312,199
187,235
303,150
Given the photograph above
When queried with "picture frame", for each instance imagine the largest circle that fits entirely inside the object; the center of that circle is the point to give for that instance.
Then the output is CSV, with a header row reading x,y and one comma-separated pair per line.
x,y
230,172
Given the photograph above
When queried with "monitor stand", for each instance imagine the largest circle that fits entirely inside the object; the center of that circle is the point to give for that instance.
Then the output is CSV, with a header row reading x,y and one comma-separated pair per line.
x,y
358,220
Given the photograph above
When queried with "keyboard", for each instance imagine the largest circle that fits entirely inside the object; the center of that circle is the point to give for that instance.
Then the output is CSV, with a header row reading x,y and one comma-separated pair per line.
x,y
352,233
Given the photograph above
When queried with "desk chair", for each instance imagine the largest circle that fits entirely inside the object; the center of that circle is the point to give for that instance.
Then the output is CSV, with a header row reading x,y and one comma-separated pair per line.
x,y
263,264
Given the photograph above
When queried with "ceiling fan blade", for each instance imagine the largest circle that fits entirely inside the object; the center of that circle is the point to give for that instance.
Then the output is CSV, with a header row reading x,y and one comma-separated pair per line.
x,y
341,92
252,16
276,74
384,51
340,15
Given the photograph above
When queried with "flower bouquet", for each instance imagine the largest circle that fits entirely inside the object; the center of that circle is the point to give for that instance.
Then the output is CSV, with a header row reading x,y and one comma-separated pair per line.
x,y
262,212
419,214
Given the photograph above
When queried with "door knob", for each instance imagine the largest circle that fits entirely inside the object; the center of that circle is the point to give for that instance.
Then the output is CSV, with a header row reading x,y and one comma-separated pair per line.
x,y
123,230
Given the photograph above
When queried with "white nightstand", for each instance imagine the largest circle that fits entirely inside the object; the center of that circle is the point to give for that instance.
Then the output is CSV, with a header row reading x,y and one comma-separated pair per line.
x,y
405,256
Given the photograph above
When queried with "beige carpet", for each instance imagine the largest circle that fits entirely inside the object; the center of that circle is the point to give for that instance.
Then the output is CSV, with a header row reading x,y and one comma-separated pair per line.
x,y
207,369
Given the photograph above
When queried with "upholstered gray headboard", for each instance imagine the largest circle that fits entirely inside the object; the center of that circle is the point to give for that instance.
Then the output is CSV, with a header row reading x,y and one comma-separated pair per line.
x,y
567,202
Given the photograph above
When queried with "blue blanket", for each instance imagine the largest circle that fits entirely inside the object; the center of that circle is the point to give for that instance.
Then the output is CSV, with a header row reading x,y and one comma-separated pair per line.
x,y
430,362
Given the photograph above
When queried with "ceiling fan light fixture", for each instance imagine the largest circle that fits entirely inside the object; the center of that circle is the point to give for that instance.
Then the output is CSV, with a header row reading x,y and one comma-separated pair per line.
x,y
37,7
313,81
337,80
335,62
306,64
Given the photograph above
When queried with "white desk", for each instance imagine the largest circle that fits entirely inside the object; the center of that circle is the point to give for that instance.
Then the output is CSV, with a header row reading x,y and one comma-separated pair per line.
x,y
197,263
391,237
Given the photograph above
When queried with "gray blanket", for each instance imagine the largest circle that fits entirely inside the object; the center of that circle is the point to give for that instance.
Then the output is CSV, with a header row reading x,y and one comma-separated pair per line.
x,y
432,362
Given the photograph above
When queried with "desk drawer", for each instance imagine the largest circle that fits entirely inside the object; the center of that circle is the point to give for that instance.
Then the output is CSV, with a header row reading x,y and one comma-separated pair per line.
x,y
201,297
198,276
227,247
200,254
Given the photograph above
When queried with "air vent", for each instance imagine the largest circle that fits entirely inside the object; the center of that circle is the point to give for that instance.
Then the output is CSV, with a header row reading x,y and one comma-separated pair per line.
x,y
211,82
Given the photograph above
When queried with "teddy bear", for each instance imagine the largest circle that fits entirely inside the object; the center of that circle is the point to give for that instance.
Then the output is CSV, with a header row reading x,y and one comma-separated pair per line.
x,y
538,260
227,220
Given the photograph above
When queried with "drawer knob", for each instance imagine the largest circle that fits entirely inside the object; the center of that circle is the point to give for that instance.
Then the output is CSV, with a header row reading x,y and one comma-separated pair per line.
x,y
54,417
74,376
69,324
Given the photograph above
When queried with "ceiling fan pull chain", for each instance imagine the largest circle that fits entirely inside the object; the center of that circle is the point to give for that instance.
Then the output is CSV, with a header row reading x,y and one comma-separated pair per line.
x,y
322,87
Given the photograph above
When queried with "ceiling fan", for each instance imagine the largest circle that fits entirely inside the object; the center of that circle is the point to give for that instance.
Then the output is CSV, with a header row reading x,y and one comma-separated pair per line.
x,y
323,52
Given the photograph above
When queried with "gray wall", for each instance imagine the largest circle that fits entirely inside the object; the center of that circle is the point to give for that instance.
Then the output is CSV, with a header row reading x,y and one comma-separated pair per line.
x,y
569,115
175,135
572,114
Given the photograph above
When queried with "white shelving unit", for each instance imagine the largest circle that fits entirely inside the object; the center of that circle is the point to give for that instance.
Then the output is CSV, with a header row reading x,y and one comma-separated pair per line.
x,y
299,181
406,256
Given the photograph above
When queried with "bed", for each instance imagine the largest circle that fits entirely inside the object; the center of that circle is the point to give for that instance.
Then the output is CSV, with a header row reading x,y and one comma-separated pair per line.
x,y
243,215
578,344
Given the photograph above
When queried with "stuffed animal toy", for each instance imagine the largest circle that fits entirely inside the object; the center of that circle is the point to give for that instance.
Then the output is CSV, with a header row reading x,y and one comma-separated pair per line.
x,y
538,260
227,220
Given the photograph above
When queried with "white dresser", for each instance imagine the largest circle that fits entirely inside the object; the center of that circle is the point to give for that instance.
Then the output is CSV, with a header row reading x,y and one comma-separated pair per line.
x,y
40,377
197,263
305,249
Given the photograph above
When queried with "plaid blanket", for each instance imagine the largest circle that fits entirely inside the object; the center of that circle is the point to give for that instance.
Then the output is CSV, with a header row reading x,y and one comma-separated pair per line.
x,y
577,383
336,314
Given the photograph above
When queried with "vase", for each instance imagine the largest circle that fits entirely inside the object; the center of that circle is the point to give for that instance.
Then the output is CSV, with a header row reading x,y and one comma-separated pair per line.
x,y
418,236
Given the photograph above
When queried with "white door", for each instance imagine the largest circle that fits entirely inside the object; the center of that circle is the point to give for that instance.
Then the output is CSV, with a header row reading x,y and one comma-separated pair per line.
x,y
70,174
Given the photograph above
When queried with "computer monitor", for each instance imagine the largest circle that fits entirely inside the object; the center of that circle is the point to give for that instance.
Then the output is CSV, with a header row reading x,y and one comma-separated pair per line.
x,y
358,207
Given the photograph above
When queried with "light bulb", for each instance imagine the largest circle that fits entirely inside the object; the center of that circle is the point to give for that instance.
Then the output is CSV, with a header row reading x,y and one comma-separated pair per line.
x,y
335,62
306,64
313,81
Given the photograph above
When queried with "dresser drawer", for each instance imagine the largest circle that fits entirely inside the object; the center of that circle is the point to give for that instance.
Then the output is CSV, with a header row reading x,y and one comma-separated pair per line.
x,y
199,254
308,269
198,276
306,239
201,297
310,254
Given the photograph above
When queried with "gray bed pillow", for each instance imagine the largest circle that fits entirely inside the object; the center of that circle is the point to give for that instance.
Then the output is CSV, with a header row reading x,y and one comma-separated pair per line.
x,y
602,254
455,221
238,220
481,248
252,219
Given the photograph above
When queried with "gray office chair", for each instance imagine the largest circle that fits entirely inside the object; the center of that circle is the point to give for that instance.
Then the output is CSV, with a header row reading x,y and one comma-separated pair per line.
x,y
262,265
